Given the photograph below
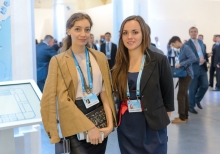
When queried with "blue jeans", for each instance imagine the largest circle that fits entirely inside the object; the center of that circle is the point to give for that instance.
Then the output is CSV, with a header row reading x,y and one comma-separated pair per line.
x,y
198,87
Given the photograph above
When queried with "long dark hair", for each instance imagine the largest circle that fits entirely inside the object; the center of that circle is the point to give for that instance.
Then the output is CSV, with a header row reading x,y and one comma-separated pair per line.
x,y
67,41
120,69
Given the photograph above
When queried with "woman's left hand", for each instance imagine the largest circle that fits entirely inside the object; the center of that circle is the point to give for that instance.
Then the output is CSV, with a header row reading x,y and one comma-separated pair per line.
x,y
106,131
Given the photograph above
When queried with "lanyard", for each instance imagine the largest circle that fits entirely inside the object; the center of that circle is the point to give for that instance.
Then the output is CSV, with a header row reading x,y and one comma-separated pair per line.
x,y
85,88
138,79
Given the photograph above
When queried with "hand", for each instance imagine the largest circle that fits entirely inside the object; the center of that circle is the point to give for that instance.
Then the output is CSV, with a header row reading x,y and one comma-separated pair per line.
x,y
106,131
94,136
202,60
177,66
218,65
210,54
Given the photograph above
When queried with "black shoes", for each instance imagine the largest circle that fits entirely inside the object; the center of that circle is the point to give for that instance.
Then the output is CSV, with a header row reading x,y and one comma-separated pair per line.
x,y
193,111
199,105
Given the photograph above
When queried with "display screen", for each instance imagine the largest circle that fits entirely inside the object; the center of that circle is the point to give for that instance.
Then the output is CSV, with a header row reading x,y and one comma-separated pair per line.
x,y
18,102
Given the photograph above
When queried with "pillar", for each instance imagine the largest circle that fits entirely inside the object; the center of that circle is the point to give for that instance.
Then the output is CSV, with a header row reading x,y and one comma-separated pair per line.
x,y
124,8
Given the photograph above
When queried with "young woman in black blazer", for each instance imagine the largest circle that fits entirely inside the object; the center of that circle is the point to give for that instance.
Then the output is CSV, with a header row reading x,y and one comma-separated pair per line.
x,y
142,78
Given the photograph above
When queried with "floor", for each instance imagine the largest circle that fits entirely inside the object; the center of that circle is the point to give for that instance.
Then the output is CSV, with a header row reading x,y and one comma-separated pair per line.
x,y
200,135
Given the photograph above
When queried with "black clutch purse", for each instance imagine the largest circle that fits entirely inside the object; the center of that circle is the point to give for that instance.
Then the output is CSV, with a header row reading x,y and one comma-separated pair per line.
x,y
97,116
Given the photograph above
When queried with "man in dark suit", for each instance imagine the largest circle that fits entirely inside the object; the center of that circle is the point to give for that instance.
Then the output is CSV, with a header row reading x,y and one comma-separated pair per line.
x,y
199,83
217,63
44,53
109,49
212,66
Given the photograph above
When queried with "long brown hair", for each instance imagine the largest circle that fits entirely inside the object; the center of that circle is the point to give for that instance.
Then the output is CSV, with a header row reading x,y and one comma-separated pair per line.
x,y
67,41
120,69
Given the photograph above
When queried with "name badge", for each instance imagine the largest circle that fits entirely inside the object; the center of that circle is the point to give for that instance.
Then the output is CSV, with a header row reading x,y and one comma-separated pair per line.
x,y
90,100
134,106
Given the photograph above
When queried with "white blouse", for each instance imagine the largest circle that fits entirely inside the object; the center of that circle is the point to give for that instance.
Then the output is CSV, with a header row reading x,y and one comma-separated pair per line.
x,y
98,85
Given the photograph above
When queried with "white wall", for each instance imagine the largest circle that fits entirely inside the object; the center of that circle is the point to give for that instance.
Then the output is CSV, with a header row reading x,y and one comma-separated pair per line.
x,y
43,23
175,17
102,18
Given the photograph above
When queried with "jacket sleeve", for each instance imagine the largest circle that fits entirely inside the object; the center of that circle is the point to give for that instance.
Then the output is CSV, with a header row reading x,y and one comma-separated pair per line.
x,y
166,85
48,102
191,58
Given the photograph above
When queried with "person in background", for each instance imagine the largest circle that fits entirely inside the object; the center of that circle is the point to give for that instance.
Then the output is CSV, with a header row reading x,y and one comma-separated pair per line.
x,y
201,37
217,63
212,66
56,46
142,78
171,54
186,58
91,42
44,52
157,43
97,45
109,49
199,83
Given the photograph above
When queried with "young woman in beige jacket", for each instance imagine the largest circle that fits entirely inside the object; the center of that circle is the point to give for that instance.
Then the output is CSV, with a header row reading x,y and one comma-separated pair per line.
x,y
70,85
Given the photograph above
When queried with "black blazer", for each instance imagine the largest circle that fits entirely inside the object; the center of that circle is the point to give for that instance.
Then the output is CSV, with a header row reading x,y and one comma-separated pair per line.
x,y
113,53
214,47
157,91
94,46
217,56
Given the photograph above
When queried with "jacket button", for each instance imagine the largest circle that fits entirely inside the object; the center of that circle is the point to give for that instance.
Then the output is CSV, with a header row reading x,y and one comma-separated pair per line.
x,y
145,109
68,99
142,96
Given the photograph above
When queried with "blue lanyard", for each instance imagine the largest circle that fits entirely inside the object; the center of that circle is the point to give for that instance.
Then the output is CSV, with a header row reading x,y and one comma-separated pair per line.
x,y
88,66
138,79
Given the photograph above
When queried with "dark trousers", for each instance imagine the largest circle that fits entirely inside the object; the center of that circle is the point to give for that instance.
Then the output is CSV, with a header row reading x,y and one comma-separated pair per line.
x,y
211,75
198,87
182,97
218,77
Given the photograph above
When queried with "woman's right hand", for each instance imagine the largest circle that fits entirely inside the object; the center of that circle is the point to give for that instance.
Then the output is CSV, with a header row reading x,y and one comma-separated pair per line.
x,y
94,136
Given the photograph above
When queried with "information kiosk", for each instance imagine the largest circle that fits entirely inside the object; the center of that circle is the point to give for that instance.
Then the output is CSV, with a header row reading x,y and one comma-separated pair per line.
x,y
19,110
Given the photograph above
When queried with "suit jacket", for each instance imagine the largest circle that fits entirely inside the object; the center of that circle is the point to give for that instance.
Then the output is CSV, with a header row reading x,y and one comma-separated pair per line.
x,y
113,53
157,91
196,65
43,54
214,47
72,120
217,56
95,47
186,58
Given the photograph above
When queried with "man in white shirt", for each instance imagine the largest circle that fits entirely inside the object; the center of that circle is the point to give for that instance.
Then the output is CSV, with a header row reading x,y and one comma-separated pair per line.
x,y
109,49
157,43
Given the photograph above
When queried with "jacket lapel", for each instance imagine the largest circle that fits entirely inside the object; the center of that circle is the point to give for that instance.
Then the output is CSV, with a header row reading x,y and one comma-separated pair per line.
x,y
148,70
72,68
194,48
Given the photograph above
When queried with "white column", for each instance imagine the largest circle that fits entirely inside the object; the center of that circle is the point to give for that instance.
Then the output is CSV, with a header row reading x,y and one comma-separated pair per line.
x,y
124,8
23,40
62,10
